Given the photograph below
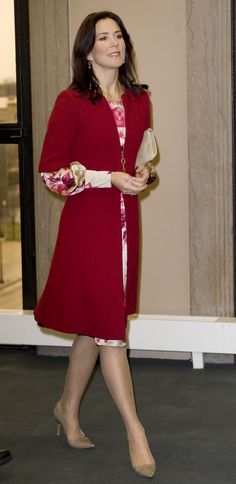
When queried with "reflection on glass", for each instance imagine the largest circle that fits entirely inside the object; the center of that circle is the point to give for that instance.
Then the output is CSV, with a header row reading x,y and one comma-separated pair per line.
x,y
10,239
8,106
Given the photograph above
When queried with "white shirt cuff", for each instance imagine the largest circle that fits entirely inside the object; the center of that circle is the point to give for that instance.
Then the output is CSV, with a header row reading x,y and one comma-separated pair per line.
x,y
98,179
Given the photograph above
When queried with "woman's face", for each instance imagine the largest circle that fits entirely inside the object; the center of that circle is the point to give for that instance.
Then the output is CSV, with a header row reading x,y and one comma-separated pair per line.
x,y
109,47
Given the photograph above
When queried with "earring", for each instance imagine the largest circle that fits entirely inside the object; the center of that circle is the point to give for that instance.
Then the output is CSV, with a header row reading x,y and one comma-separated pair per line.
x,y
89,65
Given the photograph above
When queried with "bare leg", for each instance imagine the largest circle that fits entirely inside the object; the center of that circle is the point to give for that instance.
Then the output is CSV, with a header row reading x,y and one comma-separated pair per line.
x,y
83,356
115,368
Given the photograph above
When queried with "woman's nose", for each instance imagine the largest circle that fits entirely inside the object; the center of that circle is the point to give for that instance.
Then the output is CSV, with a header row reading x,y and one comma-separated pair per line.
x,y
114,41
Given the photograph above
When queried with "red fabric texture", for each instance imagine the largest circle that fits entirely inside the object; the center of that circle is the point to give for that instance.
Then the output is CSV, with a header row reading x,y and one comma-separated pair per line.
x,y
84,291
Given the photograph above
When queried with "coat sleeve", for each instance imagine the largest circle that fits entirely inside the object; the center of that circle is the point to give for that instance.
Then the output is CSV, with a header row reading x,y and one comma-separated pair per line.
x,y
61,130
57,166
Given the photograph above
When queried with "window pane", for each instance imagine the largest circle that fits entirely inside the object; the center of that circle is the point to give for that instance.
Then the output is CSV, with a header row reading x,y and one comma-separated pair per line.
x,y
8,106
10,239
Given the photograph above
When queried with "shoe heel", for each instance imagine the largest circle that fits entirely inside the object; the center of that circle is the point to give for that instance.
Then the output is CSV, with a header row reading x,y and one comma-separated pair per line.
x,y
58,432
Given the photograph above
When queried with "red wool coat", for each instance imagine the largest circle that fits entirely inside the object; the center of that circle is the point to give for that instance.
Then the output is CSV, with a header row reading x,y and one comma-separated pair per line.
x,y
84,291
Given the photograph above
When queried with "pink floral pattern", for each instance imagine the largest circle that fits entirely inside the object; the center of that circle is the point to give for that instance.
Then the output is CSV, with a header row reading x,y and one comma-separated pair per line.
x,y
119,117
62,182
118,111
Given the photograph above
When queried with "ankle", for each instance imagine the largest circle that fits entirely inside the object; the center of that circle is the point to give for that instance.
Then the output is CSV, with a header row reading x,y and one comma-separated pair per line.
x,y
66,409
135,433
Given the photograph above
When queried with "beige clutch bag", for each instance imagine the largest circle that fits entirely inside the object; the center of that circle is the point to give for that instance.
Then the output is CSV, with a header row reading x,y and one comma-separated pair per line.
x,y
146,153
148,148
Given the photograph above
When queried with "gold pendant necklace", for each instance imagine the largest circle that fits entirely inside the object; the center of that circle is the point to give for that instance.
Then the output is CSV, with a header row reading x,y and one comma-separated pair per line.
x,y
123,160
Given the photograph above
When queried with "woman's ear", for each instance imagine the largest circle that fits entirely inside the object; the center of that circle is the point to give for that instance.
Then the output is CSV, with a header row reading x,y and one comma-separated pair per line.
x,y
90,57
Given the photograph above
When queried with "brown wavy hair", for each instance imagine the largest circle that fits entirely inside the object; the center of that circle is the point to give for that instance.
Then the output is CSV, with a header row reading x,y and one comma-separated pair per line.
x,y
84,79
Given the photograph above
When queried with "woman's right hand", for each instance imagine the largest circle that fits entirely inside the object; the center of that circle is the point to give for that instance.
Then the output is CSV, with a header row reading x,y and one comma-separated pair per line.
x,y
127,184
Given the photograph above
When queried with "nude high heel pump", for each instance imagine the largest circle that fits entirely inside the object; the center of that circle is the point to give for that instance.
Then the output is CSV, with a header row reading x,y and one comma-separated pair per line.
x,y
82,442
144,470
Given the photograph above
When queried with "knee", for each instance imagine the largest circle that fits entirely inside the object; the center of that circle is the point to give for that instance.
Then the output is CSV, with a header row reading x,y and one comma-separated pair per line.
x,y
82,344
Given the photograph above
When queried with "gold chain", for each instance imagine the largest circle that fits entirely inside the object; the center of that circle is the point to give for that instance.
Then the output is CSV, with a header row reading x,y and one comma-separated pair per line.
x,y
123,160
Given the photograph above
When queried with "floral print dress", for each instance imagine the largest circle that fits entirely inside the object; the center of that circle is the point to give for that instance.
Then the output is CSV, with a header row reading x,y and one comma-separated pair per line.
x,y
73,180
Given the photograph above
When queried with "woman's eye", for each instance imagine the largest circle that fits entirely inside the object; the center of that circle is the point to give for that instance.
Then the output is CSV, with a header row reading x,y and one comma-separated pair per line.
x,y
119,36
103,38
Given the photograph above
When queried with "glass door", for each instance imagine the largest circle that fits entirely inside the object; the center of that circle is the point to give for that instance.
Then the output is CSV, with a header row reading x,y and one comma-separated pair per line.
x,y
17,239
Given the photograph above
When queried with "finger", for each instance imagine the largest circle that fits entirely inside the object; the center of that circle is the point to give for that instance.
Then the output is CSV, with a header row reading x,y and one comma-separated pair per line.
x,y
127,192
138,187
143,177
135,191
139,172
141,169
137,182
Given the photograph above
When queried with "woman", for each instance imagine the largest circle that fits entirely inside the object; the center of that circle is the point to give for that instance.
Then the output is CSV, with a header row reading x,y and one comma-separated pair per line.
x,y
89,152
